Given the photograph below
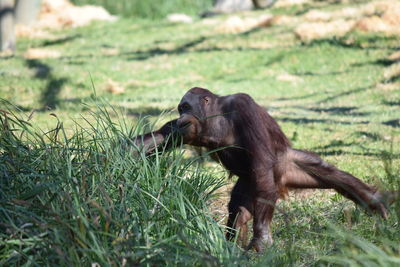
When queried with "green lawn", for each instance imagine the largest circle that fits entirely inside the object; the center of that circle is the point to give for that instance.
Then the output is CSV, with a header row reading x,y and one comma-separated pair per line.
x,y
330,96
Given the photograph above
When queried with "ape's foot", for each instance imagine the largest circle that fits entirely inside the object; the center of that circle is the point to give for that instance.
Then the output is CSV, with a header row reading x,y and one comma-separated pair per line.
x,y
259,244
382,200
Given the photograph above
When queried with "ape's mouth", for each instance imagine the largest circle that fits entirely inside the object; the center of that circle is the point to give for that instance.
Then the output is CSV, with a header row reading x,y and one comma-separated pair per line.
x,y
184,125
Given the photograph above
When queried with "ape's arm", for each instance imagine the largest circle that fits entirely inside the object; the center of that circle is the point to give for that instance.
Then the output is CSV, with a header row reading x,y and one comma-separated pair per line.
x,y
166,137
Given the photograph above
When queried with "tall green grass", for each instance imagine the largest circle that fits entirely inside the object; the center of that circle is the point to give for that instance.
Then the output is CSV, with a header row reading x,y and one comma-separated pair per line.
x,y
92,197
153,9
354,250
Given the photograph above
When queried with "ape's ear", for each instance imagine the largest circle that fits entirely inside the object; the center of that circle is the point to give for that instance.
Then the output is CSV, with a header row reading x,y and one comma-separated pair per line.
x,y
206,100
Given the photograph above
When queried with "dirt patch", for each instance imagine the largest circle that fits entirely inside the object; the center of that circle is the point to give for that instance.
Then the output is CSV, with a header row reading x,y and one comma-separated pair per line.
x,y
236,24
318,15
286,77
377,24
392,72
114,87
41,53
388,86
284,20
395,56
380,16
219,205
32,32
319,30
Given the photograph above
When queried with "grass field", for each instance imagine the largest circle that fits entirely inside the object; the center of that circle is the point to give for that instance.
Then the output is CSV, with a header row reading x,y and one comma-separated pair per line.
x,y
71,192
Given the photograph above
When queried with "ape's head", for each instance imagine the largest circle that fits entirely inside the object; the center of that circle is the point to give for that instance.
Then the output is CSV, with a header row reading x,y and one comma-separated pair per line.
x,y
195,109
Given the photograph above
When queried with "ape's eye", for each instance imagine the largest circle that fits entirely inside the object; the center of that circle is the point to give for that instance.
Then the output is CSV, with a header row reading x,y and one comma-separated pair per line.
x,y
184,107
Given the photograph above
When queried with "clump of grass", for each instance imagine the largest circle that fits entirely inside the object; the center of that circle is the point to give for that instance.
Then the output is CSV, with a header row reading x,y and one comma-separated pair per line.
x,y
354,250
90,197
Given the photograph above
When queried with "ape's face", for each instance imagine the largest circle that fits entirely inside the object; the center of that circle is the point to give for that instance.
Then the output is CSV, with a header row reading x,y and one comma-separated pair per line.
x,y
193,110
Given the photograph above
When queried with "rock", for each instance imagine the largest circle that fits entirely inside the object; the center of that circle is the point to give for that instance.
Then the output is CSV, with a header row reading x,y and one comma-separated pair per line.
x,y
229,6
318,30
40,53
179,18
57,14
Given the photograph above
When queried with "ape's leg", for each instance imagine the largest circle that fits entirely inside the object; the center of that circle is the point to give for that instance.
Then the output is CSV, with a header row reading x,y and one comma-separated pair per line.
x,y
265,199
241,224
240,209
302,169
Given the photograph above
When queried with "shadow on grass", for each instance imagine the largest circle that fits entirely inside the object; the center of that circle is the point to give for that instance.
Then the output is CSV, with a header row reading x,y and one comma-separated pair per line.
x,y
42,71
326,99
391,103
343,152
336,152
337,147
346,93
184,48
392,79
335,111
311,121
393,123
361,42
309,73
381,62
62,40
340,111
259,29
300,97
49,97
144,55
371,136
277,59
